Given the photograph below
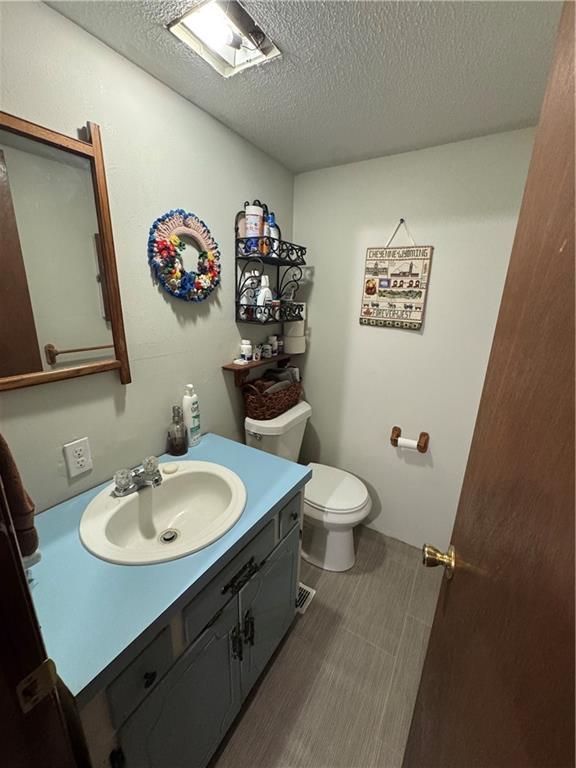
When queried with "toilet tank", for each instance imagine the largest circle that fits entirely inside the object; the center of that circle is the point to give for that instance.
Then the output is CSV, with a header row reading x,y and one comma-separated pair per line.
x,y
282,435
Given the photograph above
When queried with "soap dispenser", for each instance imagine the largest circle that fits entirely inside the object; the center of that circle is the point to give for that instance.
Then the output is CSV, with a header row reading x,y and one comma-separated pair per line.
x,y
177,433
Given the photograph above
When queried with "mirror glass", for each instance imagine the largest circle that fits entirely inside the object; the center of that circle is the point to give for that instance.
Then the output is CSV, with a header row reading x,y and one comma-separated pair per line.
x,y
53,294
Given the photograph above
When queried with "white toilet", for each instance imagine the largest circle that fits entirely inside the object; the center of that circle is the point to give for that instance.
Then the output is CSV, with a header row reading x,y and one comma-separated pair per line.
x,y
334,501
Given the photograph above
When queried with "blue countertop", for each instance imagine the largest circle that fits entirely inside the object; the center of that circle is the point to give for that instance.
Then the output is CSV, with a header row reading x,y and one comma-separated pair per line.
x,y
91,611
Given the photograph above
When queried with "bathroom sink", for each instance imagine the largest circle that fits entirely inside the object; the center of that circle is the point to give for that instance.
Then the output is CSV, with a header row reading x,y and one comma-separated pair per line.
x,y
197,502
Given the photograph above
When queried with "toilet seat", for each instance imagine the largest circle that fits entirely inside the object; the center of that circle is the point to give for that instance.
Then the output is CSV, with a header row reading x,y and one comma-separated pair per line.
x,y
334,491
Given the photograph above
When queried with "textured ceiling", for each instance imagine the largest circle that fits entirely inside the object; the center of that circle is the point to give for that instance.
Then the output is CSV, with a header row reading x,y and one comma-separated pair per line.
x,y
356,79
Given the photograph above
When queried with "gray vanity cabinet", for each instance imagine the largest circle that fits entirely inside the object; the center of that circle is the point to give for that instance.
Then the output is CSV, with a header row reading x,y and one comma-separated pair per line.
x,y
266,605
184,719
186,714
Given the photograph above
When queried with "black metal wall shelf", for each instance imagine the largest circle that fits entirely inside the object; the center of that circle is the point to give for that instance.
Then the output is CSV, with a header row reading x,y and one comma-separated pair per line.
x,y
286,312
271,251
256,253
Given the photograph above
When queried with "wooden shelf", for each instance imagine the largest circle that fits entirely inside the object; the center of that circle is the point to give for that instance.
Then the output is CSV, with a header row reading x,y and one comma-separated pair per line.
x,y
242,371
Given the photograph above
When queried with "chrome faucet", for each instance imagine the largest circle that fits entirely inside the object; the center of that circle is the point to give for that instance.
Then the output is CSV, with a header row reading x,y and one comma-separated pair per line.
x,y
127,481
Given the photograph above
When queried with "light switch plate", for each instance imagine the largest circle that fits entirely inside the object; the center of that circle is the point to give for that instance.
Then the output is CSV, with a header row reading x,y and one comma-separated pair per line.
x,y
78,457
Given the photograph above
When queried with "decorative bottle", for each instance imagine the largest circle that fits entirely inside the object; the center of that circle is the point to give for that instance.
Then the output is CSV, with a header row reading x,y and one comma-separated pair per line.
x,y
177,435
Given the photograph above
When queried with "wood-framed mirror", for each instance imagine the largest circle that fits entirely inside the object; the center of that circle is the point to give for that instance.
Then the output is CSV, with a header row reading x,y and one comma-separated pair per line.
x,y
60,307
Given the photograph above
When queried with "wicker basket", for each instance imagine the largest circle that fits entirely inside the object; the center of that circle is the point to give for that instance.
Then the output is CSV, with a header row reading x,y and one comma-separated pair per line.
x,y
263,407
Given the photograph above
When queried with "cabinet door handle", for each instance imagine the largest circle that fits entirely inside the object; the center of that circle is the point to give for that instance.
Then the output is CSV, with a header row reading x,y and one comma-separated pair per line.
x,y
249,627
237,650
150,678
239,579
294,516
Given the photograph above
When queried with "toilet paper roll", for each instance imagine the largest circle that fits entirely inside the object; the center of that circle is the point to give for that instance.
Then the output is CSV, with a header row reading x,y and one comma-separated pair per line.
x,y
404,442
295,329
294,345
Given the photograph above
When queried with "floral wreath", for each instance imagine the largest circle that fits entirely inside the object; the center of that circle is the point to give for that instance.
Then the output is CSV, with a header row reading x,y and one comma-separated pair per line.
x,y
165,248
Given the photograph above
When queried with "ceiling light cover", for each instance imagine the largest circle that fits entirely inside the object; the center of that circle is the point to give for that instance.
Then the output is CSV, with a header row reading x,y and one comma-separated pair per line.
x,y
224,34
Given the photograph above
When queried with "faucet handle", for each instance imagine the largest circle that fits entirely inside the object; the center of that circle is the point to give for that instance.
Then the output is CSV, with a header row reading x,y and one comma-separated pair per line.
x,y
150,465
122,480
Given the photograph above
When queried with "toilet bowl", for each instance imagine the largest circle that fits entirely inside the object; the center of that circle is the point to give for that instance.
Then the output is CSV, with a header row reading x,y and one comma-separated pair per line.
x,y
334,500
334,503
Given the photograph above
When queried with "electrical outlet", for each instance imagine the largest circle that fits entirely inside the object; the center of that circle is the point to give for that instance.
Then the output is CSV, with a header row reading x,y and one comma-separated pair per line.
x,y
78,457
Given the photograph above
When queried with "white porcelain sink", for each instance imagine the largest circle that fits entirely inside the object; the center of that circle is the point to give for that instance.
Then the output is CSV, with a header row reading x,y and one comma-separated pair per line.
x,y
196,503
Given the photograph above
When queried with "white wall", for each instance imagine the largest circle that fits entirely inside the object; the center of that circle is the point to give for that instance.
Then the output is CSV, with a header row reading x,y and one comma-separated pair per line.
x,y
464,200
161,153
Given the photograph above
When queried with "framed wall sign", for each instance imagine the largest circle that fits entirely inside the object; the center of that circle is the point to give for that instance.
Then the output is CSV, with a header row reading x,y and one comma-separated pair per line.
x,y
395,286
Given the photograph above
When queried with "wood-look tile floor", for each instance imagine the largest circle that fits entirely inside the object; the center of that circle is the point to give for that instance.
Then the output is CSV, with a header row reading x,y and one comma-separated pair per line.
x,y
340,691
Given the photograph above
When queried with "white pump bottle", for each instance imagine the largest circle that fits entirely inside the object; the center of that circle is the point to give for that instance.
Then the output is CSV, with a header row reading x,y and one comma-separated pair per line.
x,y
191,412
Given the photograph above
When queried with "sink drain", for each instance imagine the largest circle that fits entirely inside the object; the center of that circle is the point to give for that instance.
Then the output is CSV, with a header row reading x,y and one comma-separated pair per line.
x,y
168,536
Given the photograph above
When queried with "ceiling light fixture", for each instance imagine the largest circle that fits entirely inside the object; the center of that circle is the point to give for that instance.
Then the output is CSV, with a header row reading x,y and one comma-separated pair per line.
x,y
224,34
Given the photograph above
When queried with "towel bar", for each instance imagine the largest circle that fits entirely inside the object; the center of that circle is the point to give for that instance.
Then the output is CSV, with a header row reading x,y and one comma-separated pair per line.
x,y
52,353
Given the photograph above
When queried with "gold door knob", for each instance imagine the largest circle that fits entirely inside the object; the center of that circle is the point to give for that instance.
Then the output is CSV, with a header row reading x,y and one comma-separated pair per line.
x,y
431,557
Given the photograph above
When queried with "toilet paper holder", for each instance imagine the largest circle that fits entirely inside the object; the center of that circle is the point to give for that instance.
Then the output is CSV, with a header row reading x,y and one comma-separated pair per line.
x,y
420,445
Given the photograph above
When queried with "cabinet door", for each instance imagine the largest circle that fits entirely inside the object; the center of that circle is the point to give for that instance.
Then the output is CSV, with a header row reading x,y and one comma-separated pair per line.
x,y
184,719
267,608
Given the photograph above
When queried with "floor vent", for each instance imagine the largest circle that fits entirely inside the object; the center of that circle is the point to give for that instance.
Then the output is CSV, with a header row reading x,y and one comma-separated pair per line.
x,y
305,596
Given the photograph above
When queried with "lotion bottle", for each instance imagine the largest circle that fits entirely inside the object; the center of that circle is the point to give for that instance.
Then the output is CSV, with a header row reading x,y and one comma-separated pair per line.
x,y
191,411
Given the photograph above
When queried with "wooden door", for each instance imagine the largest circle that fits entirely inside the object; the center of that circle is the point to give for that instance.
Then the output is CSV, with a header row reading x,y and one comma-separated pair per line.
x,y
38,737
497,688
16,314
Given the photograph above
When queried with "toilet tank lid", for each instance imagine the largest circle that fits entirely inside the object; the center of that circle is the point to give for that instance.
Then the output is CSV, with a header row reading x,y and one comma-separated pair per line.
x,y
334,489
282,423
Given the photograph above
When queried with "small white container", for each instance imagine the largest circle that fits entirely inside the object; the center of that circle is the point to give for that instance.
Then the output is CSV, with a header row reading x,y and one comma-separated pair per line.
x,y
264,298
246,349
266,351
254,215
273,341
